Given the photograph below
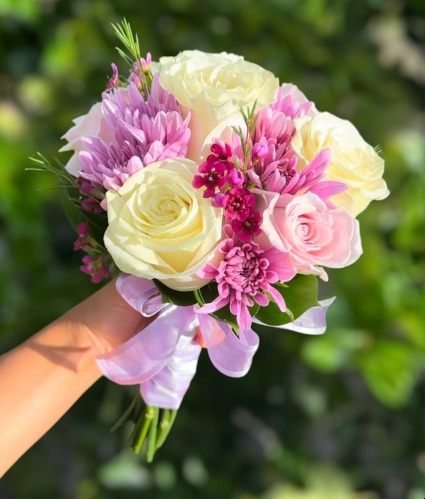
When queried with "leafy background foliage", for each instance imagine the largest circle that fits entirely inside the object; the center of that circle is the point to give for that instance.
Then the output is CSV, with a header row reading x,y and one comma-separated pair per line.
x,y
339,416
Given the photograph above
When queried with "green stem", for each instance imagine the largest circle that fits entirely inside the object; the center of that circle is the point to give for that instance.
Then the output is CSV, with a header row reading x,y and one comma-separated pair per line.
x,y
167,420
152,435
133,409
142,427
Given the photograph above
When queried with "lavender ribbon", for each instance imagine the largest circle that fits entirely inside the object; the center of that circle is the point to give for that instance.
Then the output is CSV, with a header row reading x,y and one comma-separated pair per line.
x,y
163,357
312,321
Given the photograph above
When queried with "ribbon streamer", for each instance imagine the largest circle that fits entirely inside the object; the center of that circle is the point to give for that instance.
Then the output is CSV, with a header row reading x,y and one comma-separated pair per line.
x,y
312,321
163,357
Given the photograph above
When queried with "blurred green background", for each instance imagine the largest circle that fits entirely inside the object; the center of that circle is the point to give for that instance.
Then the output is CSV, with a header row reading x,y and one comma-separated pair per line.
x,y
340,416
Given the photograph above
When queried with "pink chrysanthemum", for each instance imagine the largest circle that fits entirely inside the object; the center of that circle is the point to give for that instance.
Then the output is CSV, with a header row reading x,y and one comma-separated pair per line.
x,y
150,131
310,179
273,159
292,102
245,276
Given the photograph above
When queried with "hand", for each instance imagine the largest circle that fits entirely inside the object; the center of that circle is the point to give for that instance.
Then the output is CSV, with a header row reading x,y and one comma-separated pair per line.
x,y
45,375
106,319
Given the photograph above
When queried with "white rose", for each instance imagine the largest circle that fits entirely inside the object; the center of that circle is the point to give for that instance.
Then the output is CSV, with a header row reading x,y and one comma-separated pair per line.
x,y
213,87
353,161
161,227
91,124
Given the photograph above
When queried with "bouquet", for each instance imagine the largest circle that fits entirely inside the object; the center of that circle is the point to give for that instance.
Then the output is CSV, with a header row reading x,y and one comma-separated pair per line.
x,y
221,197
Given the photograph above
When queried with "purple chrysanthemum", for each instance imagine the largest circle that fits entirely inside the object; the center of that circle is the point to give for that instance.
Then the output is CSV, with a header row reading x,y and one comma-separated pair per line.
x,y
245,276
149,130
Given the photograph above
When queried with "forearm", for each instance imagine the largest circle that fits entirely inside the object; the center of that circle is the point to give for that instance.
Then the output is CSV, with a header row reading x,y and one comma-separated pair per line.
x,y
40,380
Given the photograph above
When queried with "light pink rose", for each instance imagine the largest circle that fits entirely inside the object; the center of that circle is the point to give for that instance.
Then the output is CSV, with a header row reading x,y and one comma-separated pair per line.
x,y
91,124
312,234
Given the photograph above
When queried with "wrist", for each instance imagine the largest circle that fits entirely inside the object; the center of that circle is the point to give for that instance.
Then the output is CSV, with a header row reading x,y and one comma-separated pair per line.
x,y
105,321
64,343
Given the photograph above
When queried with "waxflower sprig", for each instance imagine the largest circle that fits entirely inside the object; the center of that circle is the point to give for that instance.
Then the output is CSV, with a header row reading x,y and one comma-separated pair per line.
x,y
221,196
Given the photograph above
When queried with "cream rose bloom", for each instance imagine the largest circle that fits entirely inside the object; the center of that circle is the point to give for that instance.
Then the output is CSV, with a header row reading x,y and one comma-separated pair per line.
x,y
161,227
353,161
213,87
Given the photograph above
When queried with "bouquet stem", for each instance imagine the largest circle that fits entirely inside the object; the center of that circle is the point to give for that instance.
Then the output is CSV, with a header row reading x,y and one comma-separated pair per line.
x,y
151,424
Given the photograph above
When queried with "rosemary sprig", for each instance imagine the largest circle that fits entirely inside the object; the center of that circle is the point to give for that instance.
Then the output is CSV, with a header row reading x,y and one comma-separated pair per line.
x,y
133,56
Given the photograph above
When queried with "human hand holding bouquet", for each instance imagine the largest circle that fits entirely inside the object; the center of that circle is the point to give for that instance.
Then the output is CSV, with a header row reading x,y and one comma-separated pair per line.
x,y
222,197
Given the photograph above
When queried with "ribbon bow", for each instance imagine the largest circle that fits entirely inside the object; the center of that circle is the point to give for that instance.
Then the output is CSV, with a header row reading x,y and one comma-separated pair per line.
x,y
163,357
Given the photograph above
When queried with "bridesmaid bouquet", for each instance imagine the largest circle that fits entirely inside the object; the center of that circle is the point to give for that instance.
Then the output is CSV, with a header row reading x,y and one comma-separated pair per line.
x,y
221,196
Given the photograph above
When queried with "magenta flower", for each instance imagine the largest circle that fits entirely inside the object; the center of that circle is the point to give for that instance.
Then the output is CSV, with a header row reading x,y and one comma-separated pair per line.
x,y
238,204
82,231
245,277
92,196
222,151
245,230
217,172
140,69
114,79
213,176
146,63
95,267
235,178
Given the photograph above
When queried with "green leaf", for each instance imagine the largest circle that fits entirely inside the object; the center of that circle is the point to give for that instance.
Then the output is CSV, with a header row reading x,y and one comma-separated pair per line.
x,y
98,223
273,316
72,213
180,298
299,294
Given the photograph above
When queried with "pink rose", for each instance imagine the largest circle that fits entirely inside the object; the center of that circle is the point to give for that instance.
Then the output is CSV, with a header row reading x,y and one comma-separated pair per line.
x,y
312,234
91,124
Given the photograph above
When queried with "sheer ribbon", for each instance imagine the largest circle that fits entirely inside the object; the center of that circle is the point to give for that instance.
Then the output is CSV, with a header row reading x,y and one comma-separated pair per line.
x,y
162,358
